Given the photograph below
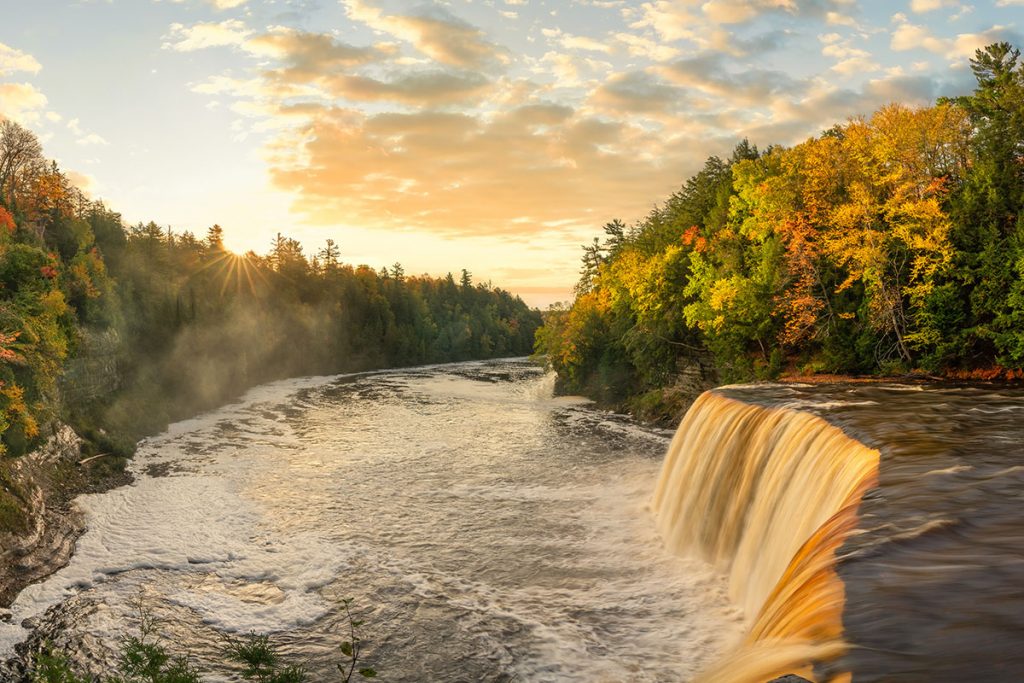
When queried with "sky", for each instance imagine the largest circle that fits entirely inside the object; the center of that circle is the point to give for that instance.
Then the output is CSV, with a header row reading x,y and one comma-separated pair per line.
x,y
492,135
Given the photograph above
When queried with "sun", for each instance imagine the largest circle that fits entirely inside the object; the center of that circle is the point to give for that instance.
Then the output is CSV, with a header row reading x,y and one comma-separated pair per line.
x,y
237,274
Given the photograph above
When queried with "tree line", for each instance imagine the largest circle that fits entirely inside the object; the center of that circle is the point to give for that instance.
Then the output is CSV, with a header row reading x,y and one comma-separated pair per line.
x,y
121,329
887,244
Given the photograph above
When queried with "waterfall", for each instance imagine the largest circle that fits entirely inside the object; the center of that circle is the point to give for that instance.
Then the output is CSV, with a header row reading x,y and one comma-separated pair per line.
x,y
767,495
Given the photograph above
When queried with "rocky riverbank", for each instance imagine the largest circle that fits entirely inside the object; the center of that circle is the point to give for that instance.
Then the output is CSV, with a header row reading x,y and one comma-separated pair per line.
x,y
39,522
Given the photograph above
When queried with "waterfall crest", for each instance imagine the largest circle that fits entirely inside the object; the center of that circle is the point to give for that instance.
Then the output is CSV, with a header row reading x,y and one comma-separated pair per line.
x,y
767,495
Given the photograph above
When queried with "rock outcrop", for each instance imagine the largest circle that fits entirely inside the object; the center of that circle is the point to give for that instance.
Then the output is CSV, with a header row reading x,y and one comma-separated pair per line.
x,y
43,523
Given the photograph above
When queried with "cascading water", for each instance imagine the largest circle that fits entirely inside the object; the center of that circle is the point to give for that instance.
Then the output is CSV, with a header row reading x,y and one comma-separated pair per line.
x,y
767,495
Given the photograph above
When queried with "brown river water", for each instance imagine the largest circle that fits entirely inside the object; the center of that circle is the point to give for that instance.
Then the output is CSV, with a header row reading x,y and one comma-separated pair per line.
x,y
488,531
934,571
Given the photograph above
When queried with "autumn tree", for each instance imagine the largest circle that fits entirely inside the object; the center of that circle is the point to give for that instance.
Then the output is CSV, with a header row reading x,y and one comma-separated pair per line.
x,y
21,156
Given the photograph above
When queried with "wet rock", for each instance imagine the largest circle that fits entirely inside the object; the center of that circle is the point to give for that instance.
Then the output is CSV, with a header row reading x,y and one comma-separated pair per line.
x,y
63,628
42,484
46,544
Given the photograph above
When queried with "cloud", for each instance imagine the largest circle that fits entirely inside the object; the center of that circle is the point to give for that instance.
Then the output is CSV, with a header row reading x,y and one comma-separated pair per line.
x,y
204,35
639,92
417,88
908,36
840,19
523,172
434,32
21,102
640,46
671,20
707,25
85,182
310,59
90,139
571,42
702,21
434,127
822,105
850,60
316,65
739,11
216,4
569,70
13,60
921,6
309,54
709,73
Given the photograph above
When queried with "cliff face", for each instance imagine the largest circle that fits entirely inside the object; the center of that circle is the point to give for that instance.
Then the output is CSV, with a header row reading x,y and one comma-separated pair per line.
x,y
694,374
39,523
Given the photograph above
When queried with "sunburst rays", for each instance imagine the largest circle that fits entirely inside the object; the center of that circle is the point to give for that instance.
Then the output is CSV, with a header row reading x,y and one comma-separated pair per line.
x,y
237,273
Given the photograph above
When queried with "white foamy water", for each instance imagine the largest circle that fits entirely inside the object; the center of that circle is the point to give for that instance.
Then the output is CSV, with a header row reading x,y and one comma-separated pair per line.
x,y
484,530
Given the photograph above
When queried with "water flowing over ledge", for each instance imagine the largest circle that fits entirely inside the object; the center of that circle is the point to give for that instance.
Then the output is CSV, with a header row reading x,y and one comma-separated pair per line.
x,y
767,495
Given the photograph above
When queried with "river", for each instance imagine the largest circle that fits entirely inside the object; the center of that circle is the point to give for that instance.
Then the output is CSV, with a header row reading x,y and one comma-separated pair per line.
x,y
488,531
484,530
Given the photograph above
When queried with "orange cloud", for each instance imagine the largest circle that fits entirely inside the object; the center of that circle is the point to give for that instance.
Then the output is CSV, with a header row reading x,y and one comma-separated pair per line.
x,y
417,88
21,102
523,172
308,55
435,33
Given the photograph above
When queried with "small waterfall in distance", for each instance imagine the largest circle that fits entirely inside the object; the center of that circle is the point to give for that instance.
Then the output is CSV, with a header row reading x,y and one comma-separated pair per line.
x,y
767,495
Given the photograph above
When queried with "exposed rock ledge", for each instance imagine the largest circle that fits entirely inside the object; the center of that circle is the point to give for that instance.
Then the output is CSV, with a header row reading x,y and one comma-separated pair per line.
x,y
43,484
60,628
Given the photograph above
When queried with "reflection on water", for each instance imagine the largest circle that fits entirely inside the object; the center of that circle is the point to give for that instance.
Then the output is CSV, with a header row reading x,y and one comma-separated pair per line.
x,y
485,530
935,583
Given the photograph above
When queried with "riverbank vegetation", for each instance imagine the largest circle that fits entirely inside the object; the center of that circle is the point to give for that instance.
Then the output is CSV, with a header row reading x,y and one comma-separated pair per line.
x,y
885,245
118,330
146,658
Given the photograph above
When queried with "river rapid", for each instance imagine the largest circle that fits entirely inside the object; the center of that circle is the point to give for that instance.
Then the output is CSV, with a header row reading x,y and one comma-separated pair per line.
x,y
484,530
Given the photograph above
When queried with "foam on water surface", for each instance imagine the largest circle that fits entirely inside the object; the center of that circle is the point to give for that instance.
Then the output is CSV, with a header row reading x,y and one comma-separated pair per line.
x,y
485,530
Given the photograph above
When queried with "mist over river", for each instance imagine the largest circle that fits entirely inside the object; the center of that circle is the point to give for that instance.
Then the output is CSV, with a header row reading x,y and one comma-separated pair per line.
x,y
485,530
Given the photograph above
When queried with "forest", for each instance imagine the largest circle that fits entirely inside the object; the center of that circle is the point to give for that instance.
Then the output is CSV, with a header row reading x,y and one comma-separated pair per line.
x,y
118,330
886,245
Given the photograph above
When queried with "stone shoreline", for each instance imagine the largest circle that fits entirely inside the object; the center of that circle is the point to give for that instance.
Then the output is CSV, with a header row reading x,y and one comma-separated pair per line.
x,y
48,480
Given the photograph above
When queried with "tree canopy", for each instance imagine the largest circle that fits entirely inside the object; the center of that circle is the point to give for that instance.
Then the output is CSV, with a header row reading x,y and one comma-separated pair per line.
x,y
888,243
